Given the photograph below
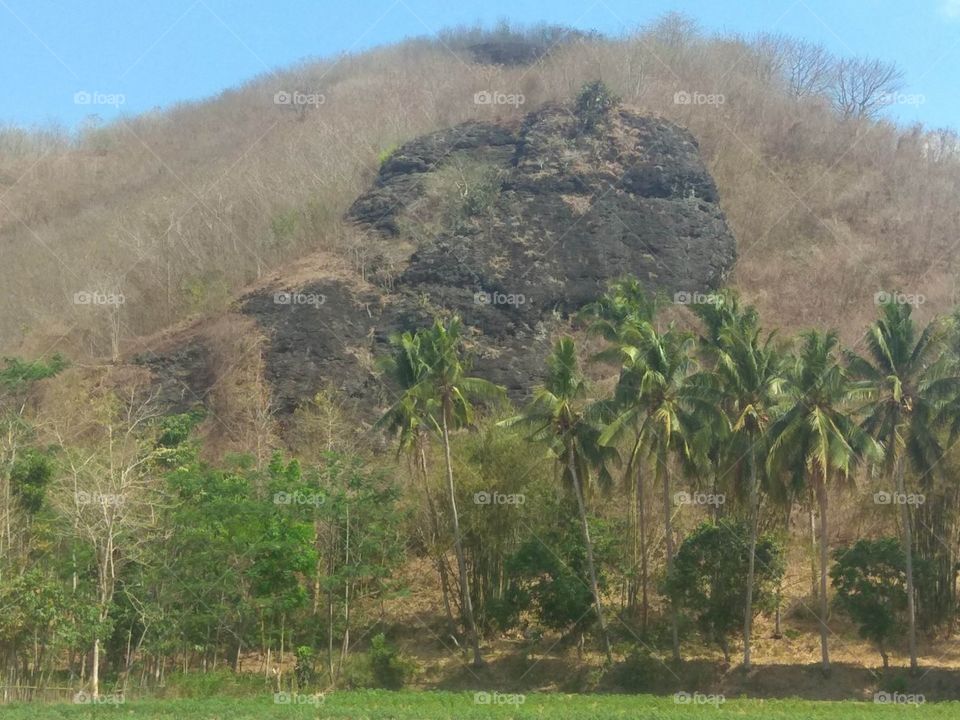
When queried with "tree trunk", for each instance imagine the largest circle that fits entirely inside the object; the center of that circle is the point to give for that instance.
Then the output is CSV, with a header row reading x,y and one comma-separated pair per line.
x,y
668,535
434,515
591,566
824,561
466,602
751,560
644,560
814,574
908,561
95,670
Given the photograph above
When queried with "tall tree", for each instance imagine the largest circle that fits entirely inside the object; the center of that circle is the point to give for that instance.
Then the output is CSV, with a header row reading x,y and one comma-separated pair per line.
x,y
817,441
559,418
443,397
407,420
623,311
908,384
745,382
654,399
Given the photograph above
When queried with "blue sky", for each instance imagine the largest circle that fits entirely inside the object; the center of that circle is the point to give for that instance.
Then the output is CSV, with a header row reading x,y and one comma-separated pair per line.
x,y
157,52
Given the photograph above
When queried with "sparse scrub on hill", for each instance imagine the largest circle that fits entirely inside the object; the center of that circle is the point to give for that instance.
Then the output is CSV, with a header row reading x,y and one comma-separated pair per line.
x,y
150,205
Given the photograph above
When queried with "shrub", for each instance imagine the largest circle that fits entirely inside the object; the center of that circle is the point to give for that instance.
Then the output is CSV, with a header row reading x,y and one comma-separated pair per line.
x,y
388,668
304,667
594,104
710,573
870,581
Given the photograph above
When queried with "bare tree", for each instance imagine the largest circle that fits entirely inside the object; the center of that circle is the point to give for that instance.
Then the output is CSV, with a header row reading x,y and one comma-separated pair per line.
x,y
862,87
108,489
808,68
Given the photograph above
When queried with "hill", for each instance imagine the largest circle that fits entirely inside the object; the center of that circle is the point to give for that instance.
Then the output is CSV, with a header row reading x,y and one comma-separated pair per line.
x,y
181,211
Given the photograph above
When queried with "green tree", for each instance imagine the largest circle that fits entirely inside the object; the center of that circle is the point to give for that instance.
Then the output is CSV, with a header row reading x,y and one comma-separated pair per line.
x,y
654,398
558,418
443,396
624,310
908,384
817,441
745,382
708,576
409,421
870,579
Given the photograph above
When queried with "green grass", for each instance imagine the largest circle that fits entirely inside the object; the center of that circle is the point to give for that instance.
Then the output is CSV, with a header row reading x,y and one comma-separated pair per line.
x,y
360,705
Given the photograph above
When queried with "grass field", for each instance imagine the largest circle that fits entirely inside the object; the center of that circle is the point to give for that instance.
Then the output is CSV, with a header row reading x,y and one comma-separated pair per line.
x,y
466,706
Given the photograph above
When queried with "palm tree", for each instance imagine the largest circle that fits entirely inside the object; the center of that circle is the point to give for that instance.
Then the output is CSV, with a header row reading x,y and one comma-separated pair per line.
x,y
625,309
816,440
407,420
745,382
558,417
908,383
654,400
441,394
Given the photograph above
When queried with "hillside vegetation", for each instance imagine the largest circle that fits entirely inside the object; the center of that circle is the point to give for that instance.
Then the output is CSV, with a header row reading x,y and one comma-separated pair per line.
x,y
178,209
270,430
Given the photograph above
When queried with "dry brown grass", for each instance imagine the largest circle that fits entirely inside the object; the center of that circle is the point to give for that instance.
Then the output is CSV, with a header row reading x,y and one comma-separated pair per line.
x,y
178,210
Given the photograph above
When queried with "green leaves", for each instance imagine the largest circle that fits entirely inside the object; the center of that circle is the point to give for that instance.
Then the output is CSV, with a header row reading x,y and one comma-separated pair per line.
x,y
429,368
710,572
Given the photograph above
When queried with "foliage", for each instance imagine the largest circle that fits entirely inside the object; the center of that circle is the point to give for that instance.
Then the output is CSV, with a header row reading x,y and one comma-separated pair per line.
x,y
390,670
710,573
870,581
593,104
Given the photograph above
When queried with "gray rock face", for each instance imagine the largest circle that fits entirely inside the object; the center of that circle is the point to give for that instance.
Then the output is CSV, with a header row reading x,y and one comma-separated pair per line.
x,y
514,229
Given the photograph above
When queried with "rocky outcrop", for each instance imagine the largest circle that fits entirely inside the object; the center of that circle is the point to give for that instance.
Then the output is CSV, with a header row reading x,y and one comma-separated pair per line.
x,y
514,228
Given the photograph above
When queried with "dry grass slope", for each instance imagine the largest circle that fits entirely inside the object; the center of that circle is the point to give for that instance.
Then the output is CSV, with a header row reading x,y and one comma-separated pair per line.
x,y
179,210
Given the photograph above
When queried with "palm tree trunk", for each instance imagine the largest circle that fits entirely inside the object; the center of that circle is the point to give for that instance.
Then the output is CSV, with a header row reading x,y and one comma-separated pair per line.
x,y
751,560
421,463
644,564
814,575
668,535
824,560
908,562
466,602
591,567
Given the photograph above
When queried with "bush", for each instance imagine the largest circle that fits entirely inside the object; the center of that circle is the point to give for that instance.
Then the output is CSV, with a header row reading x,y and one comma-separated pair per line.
x,y
642,671
388,669
304,668
710,574
219,683
871,583
594,104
